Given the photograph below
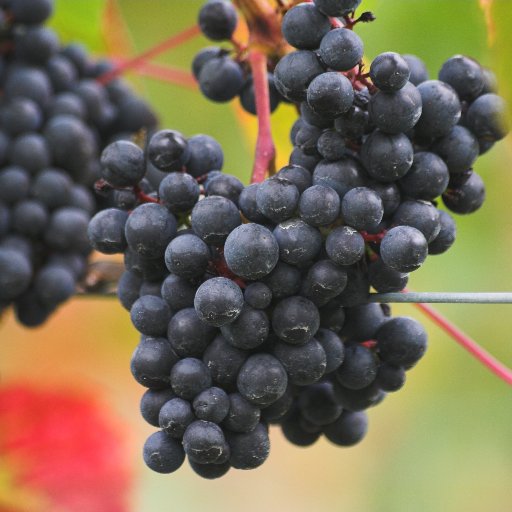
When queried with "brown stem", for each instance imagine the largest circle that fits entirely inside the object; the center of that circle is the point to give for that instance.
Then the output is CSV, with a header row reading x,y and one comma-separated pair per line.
x,y
264,24
265,150
168,44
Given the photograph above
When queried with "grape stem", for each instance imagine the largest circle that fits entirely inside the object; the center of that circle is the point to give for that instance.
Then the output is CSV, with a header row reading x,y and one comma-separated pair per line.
x,y
143,197
484,357
264,159
168,44
167,74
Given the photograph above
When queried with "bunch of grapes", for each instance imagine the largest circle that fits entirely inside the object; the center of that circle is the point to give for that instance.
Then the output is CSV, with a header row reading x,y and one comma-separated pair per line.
x,y
224,74
252,301
55,118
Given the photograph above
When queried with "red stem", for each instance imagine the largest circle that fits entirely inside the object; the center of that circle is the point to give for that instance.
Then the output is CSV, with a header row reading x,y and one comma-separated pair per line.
x,y
143,197
152,52
499,369
167,74
377,237
265,151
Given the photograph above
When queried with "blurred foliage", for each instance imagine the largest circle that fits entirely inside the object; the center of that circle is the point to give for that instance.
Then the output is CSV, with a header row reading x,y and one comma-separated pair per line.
x,y
442,443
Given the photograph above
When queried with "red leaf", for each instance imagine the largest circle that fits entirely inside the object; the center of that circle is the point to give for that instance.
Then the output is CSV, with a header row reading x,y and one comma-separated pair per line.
x,y
64,447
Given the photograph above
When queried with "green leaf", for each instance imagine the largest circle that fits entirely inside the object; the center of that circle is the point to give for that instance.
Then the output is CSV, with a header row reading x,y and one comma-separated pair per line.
x,y
80,21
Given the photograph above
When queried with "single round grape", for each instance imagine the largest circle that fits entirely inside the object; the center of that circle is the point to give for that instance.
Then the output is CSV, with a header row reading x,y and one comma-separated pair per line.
x,y
188,335
319,205
467,198
179,192
218,301
389,71
341,49
348,429
402,341
251,251
427,178
149,229
298,242
258,295
295,320
333,347
294,72
396,112
243,416
330,94
214,218
221,79
303,26
464,75
167,150
446,237
204,442
418,69
150,315
344,245
251,449
218,19
15,274
318,405
106,231
277,199
188,377
162,453
387,157
304,364
175,416
297,175
187,256
441,109
262,379
362,209
249,330
152,361
486,117
359,367
404,248
224,361
212,404
123,164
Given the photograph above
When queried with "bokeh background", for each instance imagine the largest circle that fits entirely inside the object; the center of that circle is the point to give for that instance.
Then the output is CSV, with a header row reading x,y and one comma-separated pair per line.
x,y
442,443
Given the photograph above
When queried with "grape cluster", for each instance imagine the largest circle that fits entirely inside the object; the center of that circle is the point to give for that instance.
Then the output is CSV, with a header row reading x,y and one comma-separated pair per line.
x,y
247,315
391,143
54,119
252,301
224,74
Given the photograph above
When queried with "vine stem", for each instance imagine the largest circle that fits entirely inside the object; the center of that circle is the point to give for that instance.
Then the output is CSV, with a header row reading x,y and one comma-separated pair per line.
x,y
264,159
484,357
167,74
168,44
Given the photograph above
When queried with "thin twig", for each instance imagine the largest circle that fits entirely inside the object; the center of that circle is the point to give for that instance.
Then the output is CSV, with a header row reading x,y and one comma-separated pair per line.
x,y
488,360
152,52
168,74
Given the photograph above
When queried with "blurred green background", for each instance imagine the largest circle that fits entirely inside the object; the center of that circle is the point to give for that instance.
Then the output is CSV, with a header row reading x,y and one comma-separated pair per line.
x,y
442,443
